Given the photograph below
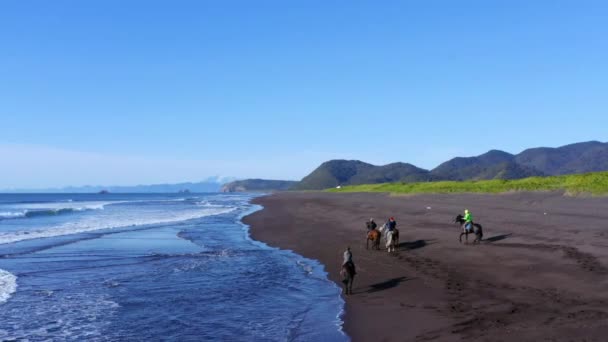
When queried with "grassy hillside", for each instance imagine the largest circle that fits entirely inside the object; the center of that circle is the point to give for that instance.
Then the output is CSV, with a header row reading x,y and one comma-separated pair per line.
x,y
591,156
594,183
491,165
348,172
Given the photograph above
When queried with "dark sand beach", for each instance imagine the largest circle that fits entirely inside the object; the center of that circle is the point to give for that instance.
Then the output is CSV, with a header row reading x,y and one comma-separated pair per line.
x,y
540,275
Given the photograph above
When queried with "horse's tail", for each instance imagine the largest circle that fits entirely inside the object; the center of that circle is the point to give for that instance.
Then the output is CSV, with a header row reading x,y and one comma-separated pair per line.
x,y
479,229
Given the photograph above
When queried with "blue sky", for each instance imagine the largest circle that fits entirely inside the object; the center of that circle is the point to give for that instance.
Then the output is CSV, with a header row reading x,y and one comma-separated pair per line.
x,y
126,92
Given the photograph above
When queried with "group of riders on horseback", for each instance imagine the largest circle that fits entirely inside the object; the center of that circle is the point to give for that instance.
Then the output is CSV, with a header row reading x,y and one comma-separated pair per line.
x,y
389,230
391,234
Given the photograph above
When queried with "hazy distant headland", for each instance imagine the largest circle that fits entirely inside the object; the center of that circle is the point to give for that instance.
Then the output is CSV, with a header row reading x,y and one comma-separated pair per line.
x,y
213,184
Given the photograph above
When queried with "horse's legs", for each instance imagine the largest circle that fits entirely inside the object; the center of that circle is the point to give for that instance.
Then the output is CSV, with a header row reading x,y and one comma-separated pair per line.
x,y
367,243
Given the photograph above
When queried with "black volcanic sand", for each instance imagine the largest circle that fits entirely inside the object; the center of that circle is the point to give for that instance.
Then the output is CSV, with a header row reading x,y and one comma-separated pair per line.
x,y
541,274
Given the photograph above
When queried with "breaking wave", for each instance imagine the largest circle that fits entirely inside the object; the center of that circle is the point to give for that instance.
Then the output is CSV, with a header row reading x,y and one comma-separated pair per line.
x,y
8,285
51,209
102,223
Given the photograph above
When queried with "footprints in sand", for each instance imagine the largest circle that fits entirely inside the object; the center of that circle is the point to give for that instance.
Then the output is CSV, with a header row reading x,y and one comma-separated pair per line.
x,y
586,261
482,307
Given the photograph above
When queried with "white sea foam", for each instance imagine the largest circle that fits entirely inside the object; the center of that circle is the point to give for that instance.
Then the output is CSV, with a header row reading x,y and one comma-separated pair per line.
x,y
111,221
54,208
12,214
208,205
8,285
76,206
37,209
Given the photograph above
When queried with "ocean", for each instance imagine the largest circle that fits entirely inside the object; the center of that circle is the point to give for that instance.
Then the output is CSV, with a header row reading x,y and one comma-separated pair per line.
x,y
150,267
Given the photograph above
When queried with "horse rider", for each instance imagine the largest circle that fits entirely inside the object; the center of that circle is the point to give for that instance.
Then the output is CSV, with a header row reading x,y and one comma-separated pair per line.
x,y
468,220
348,272
391,224
348,256
371,225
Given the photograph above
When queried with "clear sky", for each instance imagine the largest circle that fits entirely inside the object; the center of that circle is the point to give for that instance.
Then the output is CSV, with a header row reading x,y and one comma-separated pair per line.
x,y
126,92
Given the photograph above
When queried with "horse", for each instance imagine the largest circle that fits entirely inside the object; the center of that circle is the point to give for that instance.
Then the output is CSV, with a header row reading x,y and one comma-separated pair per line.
x,y
373,236
392,238
477,230
348,276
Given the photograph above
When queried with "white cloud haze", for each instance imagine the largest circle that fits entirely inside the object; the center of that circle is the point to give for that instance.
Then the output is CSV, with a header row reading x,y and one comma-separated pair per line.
x,y
35,166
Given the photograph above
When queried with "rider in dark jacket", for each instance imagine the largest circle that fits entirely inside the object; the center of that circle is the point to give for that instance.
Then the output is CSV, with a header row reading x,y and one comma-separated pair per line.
x,y
391,224
371,224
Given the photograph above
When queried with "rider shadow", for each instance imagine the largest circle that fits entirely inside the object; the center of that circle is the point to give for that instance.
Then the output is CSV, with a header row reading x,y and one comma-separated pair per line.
x,y
409,245
497,237
385,285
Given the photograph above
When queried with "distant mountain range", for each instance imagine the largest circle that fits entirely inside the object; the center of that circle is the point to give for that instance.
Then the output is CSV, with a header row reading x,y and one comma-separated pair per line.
x,y
582,157
213,184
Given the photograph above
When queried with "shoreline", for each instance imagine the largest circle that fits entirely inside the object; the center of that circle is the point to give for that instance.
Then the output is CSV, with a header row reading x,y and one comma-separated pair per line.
x,y
535,278
168,271
317,267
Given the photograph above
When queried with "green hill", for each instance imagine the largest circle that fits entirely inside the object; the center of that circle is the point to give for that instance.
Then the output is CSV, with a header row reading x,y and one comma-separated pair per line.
x,y
576,158
591,156
491,165
349,172
591,183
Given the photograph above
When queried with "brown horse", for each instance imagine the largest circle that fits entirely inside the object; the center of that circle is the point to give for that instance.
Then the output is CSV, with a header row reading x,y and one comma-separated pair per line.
x,y
373,236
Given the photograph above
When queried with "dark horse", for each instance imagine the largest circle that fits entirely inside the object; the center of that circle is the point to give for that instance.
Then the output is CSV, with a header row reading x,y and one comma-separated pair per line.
x,y
348,276
374,236
477,229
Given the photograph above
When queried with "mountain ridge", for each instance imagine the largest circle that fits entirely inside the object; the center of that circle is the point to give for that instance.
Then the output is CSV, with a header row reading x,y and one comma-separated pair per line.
x,y
582,157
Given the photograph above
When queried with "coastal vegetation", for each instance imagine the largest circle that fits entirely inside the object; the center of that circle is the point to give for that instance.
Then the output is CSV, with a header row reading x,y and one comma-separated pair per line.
x,y
595,183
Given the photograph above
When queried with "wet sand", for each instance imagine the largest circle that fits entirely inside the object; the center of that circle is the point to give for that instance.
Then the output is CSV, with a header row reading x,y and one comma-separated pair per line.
x,y
540,275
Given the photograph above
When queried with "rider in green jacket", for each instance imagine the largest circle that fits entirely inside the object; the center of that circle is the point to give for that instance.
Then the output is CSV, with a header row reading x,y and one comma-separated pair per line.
x,y
468,220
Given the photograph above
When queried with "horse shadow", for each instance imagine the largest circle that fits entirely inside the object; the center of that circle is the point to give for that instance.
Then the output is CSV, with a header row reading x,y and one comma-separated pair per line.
x,y
497,237
385,285
409,245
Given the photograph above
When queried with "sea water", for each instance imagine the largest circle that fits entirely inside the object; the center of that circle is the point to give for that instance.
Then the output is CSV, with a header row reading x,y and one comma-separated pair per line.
x,y
153,267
